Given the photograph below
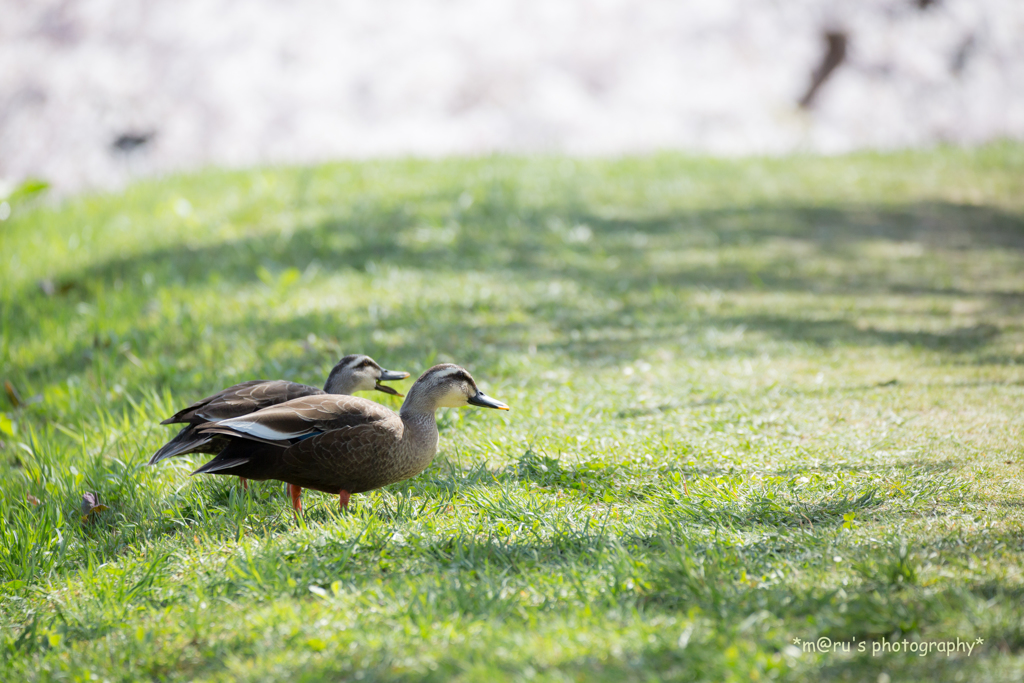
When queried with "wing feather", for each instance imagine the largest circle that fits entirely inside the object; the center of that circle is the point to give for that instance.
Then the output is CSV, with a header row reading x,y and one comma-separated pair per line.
x,y
300,417
242,399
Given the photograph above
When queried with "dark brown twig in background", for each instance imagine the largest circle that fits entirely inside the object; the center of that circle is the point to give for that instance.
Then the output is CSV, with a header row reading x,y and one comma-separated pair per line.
x,y
834,56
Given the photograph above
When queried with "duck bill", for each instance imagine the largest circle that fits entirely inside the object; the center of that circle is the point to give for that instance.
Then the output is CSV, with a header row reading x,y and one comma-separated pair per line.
x,y
383,388
389,376
485,401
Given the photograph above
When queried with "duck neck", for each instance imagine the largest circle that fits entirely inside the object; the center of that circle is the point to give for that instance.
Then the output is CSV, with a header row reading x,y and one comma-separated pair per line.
x,y
339,383
419,403
420,432
419,442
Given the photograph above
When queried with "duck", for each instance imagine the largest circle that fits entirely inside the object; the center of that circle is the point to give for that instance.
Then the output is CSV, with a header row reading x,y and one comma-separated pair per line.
x,y
343,445
355,372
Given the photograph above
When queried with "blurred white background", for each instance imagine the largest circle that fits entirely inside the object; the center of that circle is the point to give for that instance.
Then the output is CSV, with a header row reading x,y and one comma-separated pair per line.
x,y
93,92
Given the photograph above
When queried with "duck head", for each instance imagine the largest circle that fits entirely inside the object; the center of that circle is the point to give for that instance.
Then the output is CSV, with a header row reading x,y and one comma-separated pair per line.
x,y
447,386
360,373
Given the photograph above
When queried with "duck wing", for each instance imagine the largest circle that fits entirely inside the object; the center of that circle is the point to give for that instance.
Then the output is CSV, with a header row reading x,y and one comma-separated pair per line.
x,y
295,440
241,399
292,421
235,401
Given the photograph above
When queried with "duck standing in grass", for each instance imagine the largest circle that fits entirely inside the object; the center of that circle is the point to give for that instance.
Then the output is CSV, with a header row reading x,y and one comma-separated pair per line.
x,y
343,444
351,374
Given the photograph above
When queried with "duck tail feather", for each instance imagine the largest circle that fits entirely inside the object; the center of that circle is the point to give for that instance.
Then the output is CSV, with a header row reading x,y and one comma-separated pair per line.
x,y
187,441
218,464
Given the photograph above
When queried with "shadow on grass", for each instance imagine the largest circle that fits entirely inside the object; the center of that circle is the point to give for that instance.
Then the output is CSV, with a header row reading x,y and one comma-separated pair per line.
x,y
675,570
639,267
500,233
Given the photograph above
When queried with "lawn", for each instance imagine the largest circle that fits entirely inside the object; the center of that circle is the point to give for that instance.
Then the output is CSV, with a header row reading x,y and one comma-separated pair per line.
x,y
760,407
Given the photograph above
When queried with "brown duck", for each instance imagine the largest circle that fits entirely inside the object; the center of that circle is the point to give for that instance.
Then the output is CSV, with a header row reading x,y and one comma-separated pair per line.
x,y
343,444
351,374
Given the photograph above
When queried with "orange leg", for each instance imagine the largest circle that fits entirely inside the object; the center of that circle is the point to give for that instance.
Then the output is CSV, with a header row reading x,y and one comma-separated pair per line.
x,y
296,493
245,483
343,497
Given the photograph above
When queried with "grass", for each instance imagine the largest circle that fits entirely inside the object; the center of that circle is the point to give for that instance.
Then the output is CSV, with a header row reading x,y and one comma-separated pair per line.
x,y
755,403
